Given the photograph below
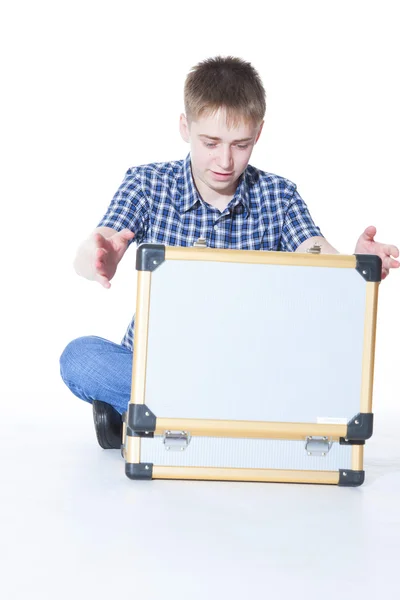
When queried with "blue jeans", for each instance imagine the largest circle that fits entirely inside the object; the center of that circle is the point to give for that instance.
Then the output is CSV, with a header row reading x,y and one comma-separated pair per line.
x,y
96,369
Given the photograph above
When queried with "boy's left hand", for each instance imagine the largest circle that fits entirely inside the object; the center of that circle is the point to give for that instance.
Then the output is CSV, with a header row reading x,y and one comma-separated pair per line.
x,y
367,245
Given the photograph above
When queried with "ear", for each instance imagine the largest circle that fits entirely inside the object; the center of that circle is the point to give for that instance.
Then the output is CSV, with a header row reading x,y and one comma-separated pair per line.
x,y
184,128
259,132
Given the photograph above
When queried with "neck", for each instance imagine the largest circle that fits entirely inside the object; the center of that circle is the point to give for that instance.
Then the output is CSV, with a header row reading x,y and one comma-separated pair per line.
x,y
218,199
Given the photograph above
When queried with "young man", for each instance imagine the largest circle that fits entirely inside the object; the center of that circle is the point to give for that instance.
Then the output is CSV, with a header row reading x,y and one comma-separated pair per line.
x,y
213,194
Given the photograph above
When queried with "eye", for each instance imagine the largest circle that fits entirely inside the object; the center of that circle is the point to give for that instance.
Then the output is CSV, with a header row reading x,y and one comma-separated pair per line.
x,y
243,146
209,144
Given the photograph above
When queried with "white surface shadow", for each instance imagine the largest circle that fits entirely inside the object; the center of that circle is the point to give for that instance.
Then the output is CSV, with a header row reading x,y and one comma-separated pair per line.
x,y
73,525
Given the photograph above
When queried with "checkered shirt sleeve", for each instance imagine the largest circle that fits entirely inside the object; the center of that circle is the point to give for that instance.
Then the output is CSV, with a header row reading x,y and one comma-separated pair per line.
x,y
298,225
129,208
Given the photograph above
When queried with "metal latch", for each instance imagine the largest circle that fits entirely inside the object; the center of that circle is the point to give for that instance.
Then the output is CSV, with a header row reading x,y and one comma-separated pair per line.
x,y
317,446
176,440
316,249
200,243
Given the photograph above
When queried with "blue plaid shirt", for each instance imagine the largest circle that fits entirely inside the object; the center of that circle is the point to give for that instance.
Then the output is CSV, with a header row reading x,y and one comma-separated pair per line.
x,y
159,202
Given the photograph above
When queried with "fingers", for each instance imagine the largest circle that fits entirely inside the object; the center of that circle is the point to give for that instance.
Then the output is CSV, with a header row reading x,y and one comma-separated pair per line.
x,y
102,242
387,264
99,240
126,235
391,250
103,281
99,260
100,252
370,232
100,269
100,255
390,263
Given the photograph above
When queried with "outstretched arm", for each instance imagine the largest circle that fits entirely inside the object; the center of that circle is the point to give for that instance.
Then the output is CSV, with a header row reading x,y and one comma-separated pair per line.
x,y
326,248
365,245
98,256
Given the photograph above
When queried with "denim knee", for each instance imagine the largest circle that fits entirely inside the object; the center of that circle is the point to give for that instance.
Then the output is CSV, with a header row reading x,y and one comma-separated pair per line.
x,y
71,359
94,368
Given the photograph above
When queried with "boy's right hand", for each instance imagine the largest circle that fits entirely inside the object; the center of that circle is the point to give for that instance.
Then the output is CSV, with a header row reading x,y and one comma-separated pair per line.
x,y
107,254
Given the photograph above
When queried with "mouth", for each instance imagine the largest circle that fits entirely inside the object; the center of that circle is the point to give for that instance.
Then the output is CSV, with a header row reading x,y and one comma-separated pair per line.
x,y
222,174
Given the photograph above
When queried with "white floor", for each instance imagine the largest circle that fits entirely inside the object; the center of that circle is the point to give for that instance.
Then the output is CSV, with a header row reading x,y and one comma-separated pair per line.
x,y
74,526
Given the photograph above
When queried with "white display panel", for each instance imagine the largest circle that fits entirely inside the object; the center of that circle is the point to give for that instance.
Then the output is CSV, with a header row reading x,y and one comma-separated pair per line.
x,y
255,342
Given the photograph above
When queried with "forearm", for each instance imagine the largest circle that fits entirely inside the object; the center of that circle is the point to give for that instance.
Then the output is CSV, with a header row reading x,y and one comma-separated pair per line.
x,y
85,256
326,248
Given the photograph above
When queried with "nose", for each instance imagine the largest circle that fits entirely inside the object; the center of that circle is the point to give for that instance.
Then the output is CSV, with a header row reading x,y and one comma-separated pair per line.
x,y
225,158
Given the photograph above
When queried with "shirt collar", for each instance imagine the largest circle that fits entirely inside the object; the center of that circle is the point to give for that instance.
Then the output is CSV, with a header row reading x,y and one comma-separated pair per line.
x,y
189,193
190,196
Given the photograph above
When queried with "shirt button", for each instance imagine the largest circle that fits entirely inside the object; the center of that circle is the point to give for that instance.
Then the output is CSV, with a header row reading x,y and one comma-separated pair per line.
x,y
216,227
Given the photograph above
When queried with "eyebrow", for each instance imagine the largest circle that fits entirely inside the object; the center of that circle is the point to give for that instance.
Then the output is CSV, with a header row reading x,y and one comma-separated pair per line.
x,y
217,139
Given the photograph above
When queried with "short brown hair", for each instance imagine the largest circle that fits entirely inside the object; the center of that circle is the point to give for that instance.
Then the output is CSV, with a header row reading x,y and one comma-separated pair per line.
x,y
229,83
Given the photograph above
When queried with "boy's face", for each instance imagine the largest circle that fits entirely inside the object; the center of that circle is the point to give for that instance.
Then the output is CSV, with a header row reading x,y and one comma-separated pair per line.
x,y
219,155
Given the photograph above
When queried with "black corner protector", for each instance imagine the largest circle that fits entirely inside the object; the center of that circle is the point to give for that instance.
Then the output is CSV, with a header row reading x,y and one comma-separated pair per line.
x,y
149,256
346,442
350,478
142,434
360,427
140,418
139,470
369,266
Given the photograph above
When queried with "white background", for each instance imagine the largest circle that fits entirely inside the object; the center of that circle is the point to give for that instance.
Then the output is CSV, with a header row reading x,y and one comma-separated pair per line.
x,y
92,88
87,90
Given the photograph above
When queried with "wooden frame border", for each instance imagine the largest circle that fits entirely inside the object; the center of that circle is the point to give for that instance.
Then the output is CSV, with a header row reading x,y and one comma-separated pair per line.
x,y
228,474
368,359
131,445
294,259
357,458
139,367
254,429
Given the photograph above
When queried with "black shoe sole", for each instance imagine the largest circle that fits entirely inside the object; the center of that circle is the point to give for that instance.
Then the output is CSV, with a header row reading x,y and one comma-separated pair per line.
x,y
108,425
